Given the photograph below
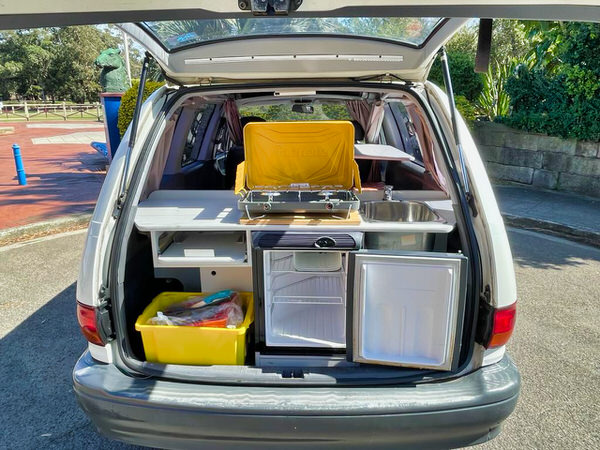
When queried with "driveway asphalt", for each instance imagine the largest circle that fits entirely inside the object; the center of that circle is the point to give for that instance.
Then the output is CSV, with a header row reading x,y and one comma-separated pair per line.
x,y
556,346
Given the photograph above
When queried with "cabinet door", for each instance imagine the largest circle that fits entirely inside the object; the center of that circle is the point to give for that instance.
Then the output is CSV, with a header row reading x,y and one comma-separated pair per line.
x,y
406,309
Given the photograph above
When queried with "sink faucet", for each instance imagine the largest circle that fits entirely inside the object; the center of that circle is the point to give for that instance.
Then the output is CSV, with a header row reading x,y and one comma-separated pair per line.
x,y
387,192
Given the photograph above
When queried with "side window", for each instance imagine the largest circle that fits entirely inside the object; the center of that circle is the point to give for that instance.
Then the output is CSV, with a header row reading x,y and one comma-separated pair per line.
x,y
407,132
221,146
195,134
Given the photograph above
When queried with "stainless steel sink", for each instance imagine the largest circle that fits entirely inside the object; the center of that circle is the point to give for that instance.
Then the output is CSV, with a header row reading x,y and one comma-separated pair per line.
x,y
398,211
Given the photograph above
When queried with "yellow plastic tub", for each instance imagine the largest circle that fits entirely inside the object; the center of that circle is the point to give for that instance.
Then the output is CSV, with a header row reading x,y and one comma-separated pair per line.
x,y
171,344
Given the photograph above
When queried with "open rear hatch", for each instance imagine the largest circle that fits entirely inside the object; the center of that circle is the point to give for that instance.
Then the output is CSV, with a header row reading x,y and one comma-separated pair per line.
x,y
201,41
269,48
198,42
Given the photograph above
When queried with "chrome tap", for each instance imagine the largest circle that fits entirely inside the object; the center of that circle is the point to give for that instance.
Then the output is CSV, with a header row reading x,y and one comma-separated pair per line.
x,y
387,192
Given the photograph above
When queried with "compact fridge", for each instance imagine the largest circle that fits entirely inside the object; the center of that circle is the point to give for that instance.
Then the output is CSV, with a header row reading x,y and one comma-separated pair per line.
x,y
324,294
301,281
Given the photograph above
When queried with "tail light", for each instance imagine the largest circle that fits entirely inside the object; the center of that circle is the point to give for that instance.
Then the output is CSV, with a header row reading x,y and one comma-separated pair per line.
x,y
503,325
86,316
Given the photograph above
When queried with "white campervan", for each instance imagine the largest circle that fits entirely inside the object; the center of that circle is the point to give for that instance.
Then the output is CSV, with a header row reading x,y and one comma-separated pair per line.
x,y
298,168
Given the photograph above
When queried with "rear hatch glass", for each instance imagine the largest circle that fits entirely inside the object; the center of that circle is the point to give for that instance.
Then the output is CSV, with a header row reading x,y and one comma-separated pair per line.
x,y
174,34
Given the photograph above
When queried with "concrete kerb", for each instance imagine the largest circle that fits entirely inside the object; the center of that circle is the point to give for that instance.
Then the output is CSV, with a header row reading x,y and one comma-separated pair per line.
x,y
35,230
585,237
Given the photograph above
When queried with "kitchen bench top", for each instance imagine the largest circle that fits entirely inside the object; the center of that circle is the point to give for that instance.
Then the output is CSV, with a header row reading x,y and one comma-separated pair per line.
x,y
178,210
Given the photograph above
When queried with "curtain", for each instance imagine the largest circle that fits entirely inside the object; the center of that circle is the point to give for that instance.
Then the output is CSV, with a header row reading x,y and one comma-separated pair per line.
x,y
375,120
360,111
369,116
426,143
160,159
234,125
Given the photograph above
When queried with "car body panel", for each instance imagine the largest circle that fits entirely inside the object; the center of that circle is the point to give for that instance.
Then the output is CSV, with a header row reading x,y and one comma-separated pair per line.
x,y
496,255
20,14
155,412
497,248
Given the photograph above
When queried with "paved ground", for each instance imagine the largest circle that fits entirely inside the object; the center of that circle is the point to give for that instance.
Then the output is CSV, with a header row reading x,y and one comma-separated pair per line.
x,y
556,345
79,137
64,173
568,215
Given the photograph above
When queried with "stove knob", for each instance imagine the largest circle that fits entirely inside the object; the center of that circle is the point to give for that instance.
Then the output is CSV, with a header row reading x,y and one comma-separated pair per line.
x,y
325,242
266,207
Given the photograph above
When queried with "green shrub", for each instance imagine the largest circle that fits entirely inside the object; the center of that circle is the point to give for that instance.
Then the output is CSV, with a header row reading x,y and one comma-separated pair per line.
x,y
128,102
561,100
539,103
465,81
544,103
466,109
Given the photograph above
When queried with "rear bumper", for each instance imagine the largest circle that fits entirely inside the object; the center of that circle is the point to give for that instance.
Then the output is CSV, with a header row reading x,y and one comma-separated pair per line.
x,y
159,413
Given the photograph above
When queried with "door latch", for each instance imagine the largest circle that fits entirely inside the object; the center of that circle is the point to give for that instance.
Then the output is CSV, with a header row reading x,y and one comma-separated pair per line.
x,y
103,317
269,7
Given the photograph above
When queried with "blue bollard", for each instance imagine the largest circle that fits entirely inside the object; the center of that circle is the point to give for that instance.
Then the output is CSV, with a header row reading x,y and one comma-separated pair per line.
x,y
19,163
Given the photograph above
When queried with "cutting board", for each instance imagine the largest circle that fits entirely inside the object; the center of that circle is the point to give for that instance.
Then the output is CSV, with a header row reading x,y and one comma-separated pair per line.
x,y
303,219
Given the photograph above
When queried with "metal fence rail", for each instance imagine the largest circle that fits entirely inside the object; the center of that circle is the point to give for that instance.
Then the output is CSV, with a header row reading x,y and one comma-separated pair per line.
x,y
52,111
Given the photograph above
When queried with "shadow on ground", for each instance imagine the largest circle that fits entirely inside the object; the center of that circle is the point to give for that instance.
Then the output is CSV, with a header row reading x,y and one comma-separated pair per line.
x,y
37,404
541,251
70,187
54,187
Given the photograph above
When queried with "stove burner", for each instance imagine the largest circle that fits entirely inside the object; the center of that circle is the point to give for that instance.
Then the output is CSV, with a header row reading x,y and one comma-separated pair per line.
x,y
330,201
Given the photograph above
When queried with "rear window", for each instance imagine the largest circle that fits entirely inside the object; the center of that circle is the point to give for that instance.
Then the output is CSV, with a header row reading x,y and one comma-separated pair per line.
x,y
173,34
285,113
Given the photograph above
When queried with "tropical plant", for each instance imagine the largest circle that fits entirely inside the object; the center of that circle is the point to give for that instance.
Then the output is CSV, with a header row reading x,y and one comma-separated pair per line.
x,y
485,92
494,101
545,43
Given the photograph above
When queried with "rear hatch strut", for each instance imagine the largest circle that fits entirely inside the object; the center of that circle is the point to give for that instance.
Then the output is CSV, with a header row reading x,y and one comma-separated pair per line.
x,y
132,134
450,92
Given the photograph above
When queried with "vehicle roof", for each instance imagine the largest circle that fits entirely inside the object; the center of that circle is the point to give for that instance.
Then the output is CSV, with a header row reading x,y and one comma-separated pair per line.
x,y
28,14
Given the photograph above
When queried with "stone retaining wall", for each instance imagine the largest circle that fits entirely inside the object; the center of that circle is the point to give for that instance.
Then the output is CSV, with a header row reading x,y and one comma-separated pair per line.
x,y
539,160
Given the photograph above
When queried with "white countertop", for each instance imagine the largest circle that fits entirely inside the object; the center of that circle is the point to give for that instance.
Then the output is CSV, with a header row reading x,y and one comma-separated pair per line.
x,y
380,152
180,210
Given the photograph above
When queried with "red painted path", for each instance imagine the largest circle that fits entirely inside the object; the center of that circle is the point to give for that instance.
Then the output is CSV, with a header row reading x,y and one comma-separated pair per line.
x,y
62,178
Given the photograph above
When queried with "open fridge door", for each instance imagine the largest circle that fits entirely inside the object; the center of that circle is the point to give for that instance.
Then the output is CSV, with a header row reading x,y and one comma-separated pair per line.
x,y
405,309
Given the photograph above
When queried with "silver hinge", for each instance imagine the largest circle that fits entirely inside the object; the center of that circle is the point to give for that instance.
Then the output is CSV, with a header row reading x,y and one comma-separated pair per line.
x,y
119,205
